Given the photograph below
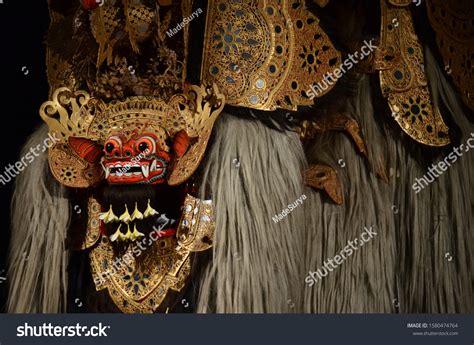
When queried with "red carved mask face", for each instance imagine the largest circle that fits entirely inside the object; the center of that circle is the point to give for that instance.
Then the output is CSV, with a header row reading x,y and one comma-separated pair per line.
x,y
137,160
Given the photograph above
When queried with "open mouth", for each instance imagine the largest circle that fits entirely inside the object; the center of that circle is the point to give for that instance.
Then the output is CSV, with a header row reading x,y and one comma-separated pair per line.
x,y
125,171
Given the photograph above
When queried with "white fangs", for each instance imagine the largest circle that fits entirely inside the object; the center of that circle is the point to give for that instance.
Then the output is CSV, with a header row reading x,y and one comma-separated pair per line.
x,y
146,170
153,165
106,169
118,169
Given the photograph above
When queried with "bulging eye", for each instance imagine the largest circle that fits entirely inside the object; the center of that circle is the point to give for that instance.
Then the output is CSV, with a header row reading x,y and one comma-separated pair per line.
x,y
146,144
113,146
109,147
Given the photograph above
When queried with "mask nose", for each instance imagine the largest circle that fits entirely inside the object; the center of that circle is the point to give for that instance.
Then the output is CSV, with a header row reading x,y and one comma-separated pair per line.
x,y
127,150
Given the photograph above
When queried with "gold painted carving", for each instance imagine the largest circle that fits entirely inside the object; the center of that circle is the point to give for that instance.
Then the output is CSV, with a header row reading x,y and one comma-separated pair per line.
x,y
196,230
452,22
405,84
76,114
265,54
93,224
143,288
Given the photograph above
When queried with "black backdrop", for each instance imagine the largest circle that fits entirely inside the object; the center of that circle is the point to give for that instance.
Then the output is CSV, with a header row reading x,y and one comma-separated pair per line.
x,y
23,26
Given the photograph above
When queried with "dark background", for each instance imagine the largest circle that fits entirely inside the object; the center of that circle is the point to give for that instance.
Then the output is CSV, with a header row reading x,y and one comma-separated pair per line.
x,y
23,26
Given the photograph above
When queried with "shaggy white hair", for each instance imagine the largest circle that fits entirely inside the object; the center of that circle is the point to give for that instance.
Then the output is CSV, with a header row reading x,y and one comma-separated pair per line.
x,y
37,256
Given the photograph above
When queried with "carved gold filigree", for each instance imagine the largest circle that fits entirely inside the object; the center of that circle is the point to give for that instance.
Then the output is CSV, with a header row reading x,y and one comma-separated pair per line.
x,y
207,104
70,169
452,22
196,230
266,54
76,114
93,223
139,19
80,41
67,114
133,288
104,21
144,288
405,84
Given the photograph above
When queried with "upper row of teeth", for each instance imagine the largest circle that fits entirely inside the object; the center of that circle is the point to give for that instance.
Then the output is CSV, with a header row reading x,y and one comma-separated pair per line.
x,y
145,169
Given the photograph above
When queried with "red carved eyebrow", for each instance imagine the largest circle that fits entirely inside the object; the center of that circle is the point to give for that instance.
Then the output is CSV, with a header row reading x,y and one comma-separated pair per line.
x,y
87,149
181,143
